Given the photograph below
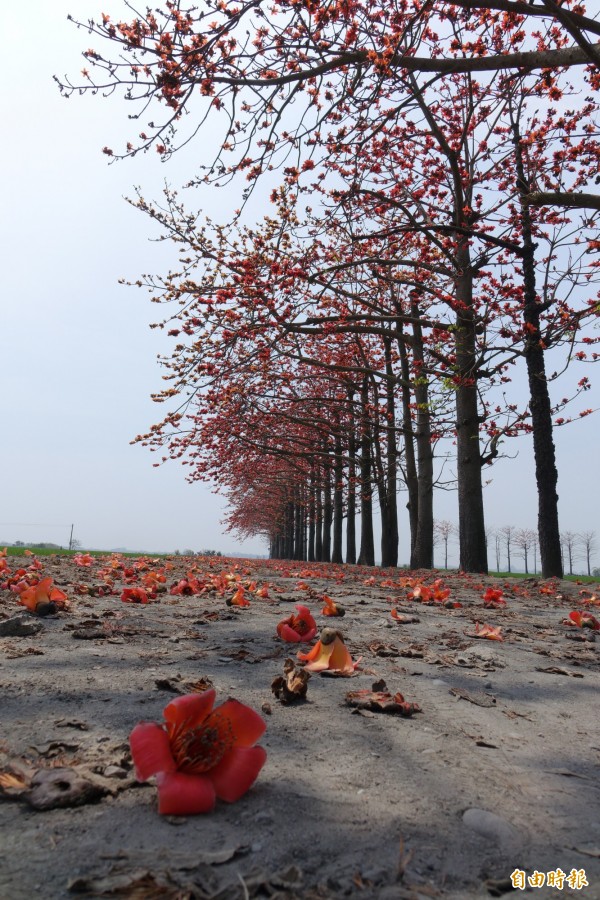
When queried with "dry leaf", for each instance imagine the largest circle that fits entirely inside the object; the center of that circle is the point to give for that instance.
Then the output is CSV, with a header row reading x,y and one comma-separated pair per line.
x,y
381,701
12,784
62,787
478,699
557,670
292,685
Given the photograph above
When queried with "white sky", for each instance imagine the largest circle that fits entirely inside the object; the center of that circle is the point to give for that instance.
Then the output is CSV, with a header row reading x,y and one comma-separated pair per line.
x,y
77,359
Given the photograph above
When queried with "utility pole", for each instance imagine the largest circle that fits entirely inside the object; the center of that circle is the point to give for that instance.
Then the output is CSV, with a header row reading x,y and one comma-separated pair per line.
x,y
71,538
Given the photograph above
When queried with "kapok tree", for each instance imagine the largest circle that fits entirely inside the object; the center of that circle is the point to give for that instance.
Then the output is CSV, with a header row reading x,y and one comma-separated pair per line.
x,y
178,54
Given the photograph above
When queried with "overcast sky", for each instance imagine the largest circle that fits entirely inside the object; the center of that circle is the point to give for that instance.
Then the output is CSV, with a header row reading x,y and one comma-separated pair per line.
x,y
78,360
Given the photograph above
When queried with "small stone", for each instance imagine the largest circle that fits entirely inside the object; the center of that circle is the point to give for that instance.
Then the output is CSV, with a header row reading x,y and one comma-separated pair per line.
x,y
492,827
264,817
20,626
114,772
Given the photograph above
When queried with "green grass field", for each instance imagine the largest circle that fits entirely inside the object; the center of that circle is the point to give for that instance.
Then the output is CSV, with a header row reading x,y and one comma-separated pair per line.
x,y
54,551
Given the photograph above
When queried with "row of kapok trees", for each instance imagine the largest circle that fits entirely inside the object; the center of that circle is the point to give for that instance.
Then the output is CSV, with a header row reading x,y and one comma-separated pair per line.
x,y
405,261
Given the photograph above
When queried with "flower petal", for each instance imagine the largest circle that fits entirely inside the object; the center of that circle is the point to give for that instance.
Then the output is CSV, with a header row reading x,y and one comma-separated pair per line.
x,y
184,795
150,750
237,772
340,659
190,709
320,649
287,633
28,599
318,658
246,724
306,638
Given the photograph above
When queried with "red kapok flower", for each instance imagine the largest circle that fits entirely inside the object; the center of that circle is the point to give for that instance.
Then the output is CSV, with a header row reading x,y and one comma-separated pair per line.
x,y
439,592
134,595
298,628
43,592
199,753
332,608
239,598
583,620
331,653
83,559
420,592
491,632
493,598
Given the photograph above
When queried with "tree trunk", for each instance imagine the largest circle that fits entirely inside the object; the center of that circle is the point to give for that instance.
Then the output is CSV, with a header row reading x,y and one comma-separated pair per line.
x,y
410,465
318,521
389,542
327,516
422,556
546,474
311,520
351,520
338,503
367,541
299,529
471,523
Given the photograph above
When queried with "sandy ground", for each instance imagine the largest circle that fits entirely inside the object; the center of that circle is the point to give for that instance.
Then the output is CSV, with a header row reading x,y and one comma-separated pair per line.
x,y
497,773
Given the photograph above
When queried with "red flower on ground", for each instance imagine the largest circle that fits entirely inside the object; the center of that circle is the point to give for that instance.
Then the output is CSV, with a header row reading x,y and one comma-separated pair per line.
x,y
493,598
134,595
298,628
420,592
239,598
439,593
583,620
199,753
332,608
43,592
83,559
491,632
330,653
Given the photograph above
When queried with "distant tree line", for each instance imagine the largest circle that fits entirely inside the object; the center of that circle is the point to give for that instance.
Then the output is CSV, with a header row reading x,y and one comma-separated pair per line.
x,y
508,543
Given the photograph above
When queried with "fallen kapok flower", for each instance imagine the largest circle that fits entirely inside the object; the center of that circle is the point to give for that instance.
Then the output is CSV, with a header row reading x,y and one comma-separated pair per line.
x,y
332,608
42,598
199,753
582,620
382,701
134,595
238,599
298,628
402,619
329,654
420,592
83,559
493,598
439,593
589,599
292,685
186,587
491,632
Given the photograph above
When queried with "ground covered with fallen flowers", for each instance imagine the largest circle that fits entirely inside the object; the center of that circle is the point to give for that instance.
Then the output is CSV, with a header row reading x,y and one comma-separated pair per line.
x,y
455,756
